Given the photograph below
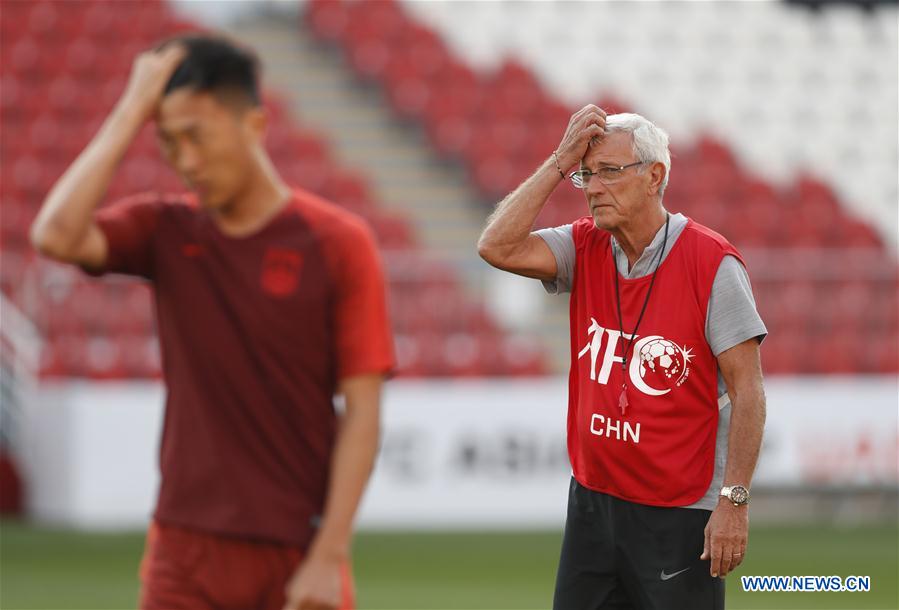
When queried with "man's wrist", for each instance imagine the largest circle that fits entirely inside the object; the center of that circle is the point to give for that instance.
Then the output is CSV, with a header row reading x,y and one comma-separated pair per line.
x,y
725,501
328,546
554,159
548,168
737,494
130,112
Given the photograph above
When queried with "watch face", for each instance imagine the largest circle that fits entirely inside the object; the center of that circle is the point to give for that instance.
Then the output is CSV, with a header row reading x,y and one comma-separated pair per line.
x,y
739,494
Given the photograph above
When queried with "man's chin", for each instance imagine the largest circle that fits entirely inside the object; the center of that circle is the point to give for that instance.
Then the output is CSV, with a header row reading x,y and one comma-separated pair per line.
x,y
603,218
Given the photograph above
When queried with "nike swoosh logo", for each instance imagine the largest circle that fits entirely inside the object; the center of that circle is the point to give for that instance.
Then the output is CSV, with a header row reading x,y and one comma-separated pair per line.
x,y
668,576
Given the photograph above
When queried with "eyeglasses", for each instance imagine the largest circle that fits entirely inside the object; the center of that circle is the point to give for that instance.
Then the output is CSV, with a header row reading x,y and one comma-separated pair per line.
x,y
607,174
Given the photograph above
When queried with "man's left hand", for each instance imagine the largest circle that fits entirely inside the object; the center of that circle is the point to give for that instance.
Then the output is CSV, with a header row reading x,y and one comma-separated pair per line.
x,y
315,585
726,535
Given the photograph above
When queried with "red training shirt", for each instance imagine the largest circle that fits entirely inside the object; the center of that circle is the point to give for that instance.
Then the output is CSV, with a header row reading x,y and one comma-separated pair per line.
x,y
255,333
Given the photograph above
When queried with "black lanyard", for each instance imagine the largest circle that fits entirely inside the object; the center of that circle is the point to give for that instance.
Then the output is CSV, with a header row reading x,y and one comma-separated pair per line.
x,y
622,399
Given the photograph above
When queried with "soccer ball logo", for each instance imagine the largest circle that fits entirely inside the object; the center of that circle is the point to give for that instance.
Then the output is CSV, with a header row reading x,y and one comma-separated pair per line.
x,y
665,360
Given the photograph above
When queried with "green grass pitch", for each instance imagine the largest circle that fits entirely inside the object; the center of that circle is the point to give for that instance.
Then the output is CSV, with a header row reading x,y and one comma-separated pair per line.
x,y
46,568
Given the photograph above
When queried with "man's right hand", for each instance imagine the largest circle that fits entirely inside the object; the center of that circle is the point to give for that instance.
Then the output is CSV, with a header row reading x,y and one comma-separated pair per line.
x,y
150,73
587,123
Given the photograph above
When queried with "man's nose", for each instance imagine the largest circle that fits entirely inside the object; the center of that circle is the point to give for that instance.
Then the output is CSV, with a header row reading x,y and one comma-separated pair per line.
x,y
188,161
594,186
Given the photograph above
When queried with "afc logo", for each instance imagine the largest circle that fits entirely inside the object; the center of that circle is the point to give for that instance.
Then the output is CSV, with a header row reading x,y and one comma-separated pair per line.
x,y
280,275
656,363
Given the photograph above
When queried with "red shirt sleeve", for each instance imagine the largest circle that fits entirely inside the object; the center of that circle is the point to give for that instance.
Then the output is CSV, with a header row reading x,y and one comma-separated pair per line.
x,y
364,342
129,226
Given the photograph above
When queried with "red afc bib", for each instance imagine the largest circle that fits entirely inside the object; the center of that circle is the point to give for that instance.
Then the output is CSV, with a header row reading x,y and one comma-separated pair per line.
x,y
661,451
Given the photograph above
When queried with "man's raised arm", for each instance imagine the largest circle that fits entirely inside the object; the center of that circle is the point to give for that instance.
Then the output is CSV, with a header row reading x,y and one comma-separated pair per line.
x,y
507,242
64,228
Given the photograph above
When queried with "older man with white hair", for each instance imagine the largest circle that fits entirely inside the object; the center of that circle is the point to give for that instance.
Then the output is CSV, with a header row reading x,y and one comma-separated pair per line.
x,y
666,406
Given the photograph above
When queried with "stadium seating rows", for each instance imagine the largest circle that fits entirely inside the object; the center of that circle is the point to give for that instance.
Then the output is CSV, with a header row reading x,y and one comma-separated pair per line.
x,y
788,89
58,81
825,282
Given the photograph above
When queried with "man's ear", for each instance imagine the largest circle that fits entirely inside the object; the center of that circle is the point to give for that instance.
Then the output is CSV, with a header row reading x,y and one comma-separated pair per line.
x,y
255,121
656,177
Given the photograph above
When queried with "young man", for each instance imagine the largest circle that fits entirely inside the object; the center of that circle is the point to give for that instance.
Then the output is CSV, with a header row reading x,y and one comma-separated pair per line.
x,y
269,302
666,406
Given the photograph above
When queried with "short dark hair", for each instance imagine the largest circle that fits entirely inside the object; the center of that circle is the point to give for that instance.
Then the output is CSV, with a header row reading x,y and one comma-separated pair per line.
x,y
218,66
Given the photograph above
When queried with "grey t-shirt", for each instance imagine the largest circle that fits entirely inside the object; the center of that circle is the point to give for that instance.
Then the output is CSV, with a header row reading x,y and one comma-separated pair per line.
x,y
732,316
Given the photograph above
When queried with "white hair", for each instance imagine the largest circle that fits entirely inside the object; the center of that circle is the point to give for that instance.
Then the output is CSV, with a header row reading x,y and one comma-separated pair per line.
x,y
650,142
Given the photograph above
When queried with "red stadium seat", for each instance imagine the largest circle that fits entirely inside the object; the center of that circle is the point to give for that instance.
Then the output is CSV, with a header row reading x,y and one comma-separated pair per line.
x,y
327,18
385,17
852,233
350,191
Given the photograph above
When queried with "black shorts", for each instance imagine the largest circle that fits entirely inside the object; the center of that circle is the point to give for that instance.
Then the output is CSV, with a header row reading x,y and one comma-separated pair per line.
x,y
622,555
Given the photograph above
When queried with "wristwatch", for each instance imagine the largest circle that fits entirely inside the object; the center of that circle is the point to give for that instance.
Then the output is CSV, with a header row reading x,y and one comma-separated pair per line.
x,y
737,494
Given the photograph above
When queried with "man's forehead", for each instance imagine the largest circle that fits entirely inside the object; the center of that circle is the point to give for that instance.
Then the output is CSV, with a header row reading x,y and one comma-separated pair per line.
x,y
612,148
184,109
176,125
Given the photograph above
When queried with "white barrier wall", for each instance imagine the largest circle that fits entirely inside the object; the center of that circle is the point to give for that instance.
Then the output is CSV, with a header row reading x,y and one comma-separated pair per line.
x,y
461,454
89,453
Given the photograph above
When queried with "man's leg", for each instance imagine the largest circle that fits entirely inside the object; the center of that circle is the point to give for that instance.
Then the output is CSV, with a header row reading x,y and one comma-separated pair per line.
x,y
586,579
659,563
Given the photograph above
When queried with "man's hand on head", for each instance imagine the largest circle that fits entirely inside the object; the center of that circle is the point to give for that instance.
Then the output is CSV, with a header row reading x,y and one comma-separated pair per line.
x,y
150,73
586,127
